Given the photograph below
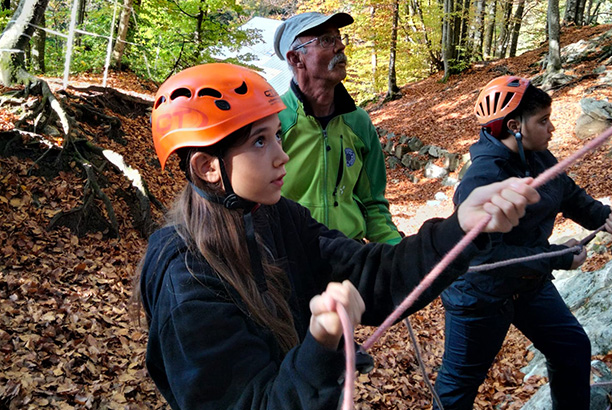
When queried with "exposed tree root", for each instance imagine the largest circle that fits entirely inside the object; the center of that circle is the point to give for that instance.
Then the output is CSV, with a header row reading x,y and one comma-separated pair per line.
x,y
56,123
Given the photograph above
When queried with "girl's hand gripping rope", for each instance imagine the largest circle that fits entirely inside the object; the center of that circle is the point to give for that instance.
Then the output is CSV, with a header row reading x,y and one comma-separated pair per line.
x,y
502,204
325,323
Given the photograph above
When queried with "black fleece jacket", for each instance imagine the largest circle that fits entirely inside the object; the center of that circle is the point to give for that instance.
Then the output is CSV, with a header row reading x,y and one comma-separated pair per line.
x,y
492,162
205,352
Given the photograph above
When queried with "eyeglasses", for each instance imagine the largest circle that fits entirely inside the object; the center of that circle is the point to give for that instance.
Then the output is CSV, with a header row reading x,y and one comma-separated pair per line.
x,y
325,41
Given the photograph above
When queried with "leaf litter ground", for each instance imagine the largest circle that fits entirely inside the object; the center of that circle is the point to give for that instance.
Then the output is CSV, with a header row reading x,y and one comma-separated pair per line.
x,y
70,338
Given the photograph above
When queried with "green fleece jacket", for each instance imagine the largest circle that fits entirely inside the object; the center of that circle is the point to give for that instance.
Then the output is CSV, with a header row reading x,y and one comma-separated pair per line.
x,y
337,172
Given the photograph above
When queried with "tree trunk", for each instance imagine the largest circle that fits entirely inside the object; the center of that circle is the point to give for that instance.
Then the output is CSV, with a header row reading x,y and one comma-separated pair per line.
x,y
490,28
392,88
570,12
80,18
447,38
477,30
504,33
516,27
581,4
16,36
6,4
464,53
124,24
434,58
37,56
554,52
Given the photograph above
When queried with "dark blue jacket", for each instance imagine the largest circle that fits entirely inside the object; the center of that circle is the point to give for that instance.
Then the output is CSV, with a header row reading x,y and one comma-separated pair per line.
x,y
205,352
492,162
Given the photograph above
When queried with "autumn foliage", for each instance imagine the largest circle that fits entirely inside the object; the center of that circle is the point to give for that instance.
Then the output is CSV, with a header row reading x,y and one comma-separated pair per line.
x,y
70,336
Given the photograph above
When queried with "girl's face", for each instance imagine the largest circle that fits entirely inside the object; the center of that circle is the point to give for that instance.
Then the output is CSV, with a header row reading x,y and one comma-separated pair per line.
x,y
256,168
537,130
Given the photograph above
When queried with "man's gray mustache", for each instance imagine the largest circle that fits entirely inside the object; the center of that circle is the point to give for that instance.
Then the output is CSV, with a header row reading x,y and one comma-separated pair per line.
x,y
338,58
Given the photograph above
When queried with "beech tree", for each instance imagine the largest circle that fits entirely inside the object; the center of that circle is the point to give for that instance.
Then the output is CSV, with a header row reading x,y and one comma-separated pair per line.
x,y
554,51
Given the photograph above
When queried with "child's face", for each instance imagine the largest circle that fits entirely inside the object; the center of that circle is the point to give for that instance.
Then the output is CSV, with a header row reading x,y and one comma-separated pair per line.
x,y
257,167
537,130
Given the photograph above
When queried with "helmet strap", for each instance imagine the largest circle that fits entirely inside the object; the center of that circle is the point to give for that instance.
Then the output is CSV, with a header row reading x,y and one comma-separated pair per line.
x,y
233,201
519,143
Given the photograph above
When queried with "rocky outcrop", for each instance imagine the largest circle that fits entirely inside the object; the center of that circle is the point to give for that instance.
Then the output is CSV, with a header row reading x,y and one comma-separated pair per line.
x,y
588,295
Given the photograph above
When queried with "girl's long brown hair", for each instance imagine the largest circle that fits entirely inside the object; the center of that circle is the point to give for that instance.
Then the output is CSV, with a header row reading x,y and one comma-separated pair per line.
x,y
218,234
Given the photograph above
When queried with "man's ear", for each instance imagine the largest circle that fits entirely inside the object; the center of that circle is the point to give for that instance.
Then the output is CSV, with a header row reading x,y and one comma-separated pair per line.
x,y
293,58
206,167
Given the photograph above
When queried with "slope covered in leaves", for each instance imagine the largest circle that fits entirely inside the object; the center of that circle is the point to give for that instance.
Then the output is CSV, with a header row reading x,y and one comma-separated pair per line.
x,y
69,336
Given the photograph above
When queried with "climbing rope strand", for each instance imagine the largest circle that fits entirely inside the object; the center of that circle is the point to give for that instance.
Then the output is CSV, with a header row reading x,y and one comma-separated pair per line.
x,y
544,255
426,282
349,349
417,353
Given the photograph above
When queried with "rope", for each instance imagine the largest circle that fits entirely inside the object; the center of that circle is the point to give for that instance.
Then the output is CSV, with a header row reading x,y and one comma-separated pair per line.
x,y
417,352
546,176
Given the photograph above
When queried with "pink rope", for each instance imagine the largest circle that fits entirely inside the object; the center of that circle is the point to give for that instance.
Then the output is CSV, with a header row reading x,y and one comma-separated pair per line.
x,y
546,176
349,349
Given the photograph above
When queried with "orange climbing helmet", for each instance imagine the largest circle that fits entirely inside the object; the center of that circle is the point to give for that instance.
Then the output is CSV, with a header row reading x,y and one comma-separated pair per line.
x,y
497,99
201,105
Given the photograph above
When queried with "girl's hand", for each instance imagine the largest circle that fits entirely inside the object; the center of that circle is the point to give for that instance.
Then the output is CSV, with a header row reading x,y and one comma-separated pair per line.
x,y
504,201
325,324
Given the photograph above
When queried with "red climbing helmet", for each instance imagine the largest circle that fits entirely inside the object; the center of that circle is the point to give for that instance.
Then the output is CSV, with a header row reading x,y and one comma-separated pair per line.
x,y
497,99
201,105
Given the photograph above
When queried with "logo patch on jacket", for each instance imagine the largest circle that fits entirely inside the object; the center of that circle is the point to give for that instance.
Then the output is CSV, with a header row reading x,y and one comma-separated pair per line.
x,y
350,156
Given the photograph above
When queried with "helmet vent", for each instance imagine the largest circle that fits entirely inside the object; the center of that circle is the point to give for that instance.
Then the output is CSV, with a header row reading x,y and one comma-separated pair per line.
x,y
210,92
507,99
496,102
514,83
180,92
488,104
160,101
242,89
223,105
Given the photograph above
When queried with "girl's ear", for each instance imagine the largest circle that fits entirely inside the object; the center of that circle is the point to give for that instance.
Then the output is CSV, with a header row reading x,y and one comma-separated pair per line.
x,y
206,167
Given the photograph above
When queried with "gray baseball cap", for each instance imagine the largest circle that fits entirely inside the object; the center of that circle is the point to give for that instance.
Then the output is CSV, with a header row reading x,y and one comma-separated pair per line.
x,y
291,28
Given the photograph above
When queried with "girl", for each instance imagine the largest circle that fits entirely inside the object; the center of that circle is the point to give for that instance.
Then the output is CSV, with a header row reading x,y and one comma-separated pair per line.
x,y
240,287
480,306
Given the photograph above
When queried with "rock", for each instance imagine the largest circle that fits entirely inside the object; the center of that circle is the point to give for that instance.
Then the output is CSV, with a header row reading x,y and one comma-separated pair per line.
x,y
434,171
413,162
440,196
449,181
587,126
414,143
588,296
389,147
601,385
401,150
598,109
436,152
464,169
393,162
451,161
599,399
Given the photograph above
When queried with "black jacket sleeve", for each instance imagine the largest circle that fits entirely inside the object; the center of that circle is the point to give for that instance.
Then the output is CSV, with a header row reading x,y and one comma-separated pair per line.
x,y
386,274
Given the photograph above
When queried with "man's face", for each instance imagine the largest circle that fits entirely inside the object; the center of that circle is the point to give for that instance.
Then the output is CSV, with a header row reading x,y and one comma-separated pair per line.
x,y
327,63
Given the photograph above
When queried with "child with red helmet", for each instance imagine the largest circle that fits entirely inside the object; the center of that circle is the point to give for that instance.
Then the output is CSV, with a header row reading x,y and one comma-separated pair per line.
x,y
240,287
481,305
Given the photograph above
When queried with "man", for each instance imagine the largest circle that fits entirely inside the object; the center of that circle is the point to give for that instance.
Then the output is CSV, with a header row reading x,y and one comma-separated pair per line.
x,y
337,167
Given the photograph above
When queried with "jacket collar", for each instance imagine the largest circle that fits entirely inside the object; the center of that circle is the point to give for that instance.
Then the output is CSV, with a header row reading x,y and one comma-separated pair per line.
x,y
342,99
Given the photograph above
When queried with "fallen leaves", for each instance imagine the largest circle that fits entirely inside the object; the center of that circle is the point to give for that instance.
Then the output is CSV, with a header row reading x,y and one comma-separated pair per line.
x,y
69,337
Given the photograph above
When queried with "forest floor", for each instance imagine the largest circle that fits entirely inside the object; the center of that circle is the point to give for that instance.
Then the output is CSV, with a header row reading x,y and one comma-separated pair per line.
x,y
70,338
